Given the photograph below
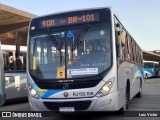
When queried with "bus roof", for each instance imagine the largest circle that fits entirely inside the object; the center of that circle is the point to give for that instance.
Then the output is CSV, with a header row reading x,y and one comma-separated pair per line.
x,y
75,10
144,61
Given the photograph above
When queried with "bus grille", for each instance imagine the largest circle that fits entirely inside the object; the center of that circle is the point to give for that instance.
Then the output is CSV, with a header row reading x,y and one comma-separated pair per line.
x,y
78,105
74,85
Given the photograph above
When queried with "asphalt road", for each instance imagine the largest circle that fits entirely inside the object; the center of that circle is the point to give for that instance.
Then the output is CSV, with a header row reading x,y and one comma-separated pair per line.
x,y
150,101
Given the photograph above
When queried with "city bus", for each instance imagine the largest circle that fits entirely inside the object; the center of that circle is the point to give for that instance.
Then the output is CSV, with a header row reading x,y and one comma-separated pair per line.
x,y
14,70
82,60
151,69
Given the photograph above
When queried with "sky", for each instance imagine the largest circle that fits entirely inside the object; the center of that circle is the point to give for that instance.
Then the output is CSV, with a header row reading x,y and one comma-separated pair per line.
x,y
141,18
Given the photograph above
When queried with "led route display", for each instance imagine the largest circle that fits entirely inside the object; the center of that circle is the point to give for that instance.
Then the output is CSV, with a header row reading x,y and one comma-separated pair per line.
x,y
70,20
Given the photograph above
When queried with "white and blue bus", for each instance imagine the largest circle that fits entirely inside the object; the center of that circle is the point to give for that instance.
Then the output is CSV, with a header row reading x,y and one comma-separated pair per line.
x,y
82,60
13,74
151,69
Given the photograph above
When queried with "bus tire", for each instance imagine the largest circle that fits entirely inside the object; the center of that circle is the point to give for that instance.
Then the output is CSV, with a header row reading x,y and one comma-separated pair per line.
x,y
146,76
126,106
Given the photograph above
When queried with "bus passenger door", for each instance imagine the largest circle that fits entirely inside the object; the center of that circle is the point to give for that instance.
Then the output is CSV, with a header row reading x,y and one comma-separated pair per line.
x,y
120,35
120,59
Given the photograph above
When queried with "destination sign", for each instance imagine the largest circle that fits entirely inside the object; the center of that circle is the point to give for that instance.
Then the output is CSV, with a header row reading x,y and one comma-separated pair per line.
x,y
70,20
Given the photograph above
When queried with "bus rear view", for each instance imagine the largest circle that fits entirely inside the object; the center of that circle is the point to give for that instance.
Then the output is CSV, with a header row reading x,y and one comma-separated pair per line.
x,y
72,62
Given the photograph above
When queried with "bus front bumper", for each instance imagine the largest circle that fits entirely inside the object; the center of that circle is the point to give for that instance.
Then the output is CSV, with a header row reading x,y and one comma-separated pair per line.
x,y
108,102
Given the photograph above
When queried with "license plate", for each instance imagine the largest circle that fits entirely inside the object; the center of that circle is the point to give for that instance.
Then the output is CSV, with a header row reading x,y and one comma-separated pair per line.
x,y
66,109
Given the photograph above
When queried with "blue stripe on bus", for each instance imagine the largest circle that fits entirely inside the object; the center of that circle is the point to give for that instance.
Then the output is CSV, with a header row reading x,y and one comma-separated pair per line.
x,y
50,92
46,93
150,70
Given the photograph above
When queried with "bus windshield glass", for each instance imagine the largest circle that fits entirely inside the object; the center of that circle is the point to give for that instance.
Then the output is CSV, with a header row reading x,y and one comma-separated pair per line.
x,y
148,64
70,53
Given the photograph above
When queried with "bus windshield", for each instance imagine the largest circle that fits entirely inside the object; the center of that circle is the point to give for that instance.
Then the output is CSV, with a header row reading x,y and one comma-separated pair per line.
x,y
148,64
76,52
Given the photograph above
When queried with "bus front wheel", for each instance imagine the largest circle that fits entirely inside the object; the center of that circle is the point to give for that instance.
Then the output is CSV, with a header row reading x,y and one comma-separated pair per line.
x,y
146,76
125,107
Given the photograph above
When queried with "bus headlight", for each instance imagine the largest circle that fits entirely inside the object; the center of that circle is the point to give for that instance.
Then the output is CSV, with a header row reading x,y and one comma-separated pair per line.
x,y
33,92
106,88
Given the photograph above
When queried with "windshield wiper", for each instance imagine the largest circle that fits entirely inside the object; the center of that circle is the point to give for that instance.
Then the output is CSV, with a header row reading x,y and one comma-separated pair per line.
x,y
80,37
35,43
53,39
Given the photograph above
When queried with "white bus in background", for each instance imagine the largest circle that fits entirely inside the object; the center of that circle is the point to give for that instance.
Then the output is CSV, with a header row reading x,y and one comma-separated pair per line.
x,y
82,60
15,72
